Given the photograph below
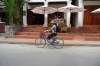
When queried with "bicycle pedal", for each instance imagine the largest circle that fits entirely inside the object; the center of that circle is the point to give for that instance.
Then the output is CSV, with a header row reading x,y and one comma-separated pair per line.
x,y
56,42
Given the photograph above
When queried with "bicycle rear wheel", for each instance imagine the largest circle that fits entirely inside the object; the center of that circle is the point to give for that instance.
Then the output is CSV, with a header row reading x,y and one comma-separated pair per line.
x,y
40,42
59,42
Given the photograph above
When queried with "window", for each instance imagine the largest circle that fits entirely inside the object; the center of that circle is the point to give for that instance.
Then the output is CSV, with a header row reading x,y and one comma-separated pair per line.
x,y
57,15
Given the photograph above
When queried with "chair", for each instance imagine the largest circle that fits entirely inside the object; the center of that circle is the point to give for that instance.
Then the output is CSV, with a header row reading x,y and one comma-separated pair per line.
x,y
63,26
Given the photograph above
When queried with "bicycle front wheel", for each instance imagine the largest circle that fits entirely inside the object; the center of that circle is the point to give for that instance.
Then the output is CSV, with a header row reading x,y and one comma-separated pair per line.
x,y
40,42
59,42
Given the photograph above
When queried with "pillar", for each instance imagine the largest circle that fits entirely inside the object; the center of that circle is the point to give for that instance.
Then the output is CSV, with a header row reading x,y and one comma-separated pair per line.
x,y
45,16
80,14
68,15
68,19
25,15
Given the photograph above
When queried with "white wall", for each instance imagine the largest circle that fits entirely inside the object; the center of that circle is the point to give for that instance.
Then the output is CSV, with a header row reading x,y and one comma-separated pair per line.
x,y
1,3
48,0
91,2
36,0
56,5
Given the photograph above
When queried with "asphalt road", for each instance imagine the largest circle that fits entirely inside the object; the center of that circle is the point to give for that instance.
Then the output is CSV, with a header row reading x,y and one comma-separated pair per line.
x,y
30,55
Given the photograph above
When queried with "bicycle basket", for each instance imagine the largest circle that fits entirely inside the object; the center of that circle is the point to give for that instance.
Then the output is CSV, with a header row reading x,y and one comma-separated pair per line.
x,y
41,34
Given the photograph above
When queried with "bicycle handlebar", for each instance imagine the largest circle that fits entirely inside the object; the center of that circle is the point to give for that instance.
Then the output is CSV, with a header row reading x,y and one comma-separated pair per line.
x,y
45,31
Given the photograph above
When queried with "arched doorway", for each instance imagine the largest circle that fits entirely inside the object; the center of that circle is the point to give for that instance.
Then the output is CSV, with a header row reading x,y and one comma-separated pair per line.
x,y
33,18
37,19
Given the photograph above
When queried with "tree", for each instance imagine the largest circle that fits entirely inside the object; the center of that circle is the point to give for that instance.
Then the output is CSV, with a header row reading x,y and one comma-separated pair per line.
x,y
14,9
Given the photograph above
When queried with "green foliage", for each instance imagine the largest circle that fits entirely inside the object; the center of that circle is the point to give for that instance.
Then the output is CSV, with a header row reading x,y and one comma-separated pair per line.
x,y
14,9
9,8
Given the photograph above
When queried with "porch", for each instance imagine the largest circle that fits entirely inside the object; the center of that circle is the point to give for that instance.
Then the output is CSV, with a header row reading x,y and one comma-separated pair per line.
x,y
85,33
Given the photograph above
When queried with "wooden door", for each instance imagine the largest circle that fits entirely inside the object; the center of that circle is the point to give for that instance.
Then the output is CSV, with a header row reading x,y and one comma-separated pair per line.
x,y
91,18
29,17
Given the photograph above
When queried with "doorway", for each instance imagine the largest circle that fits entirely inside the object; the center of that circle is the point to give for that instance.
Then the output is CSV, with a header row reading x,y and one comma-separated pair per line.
x,y
37,19
72,20
3,17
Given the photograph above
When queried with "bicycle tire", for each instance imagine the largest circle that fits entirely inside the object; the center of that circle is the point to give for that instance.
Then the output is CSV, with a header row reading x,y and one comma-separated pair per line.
x,y
40,42
60,43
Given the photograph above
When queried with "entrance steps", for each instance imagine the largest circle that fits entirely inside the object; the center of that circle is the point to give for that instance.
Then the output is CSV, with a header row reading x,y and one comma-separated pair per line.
x,y
34,31
85,33
90,32
27,35
77,34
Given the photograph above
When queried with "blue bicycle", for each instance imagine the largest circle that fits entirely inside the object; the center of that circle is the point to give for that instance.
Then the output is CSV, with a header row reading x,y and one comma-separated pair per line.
x,y
56,41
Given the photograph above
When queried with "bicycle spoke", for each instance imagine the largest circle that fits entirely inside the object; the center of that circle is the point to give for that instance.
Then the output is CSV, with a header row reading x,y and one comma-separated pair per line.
x,y
40,42
58,43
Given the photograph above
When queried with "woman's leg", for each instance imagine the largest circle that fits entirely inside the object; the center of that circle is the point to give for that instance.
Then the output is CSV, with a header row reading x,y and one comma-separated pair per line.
x,y
51,35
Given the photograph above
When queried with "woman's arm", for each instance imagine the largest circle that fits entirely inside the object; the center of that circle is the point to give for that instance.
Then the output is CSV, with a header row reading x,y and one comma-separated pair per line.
x,y
50,29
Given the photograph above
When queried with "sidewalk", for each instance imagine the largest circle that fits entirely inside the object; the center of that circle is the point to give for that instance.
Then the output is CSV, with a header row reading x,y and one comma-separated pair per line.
x,y
66,42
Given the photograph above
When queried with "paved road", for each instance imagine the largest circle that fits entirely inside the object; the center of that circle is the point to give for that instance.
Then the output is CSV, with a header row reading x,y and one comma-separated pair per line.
x,y
30,55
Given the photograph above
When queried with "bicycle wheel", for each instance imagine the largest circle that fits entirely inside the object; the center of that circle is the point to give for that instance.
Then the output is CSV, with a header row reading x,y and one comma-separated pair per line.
x,y
40,42
59,42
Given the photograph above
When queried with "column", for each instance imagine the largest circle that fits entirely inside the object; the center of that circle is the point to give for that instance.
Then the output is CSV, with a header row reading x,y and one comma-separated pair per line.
x,y
68,19
68,15
25,15
45,16
80,14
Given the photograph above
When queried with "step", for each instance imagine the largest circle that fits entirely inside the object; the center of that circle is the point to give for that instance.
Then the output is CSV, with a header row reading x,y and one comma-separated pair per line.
x,y
91,35
88,31
31,30
91,26
26,36
34,25
63,34
34,37
91,38
27,33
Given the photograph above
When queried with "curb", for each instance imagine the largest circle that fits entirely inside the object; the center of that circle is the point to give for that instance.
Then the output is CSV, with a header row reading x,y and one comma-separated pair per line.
x,y
65,44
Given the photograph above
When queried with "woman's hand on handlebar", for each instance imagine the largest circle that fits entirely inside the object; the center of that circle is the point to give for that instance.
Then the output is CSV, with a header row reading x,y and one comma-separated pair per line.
x,y
46,31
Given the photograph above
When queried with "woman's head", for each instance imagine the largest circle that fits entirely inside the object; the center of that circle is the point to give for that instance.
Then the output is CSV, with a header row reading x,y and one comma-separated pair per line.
x,y
53,21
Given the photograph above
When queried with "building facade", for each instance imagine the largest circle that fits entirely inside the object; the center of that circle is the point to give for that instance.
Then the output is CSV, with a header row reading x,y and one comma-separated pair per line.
x,y
72,19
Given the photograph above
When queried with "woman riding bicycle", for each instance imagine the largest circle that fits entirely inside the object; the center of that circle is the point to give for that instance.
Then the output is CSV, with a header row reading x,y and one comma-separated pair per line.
x,y
53,29
57,41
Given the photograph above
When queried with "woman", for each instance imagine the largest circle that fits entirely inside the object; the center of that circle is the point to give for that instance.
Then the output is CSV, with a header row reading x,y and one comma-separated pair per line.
x,y
53,29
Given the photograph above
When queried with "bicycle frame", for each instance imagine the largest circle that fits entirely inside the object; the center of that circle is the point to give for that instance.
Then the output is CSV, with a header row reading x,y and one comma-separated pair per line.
x,y
45,37
56,41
